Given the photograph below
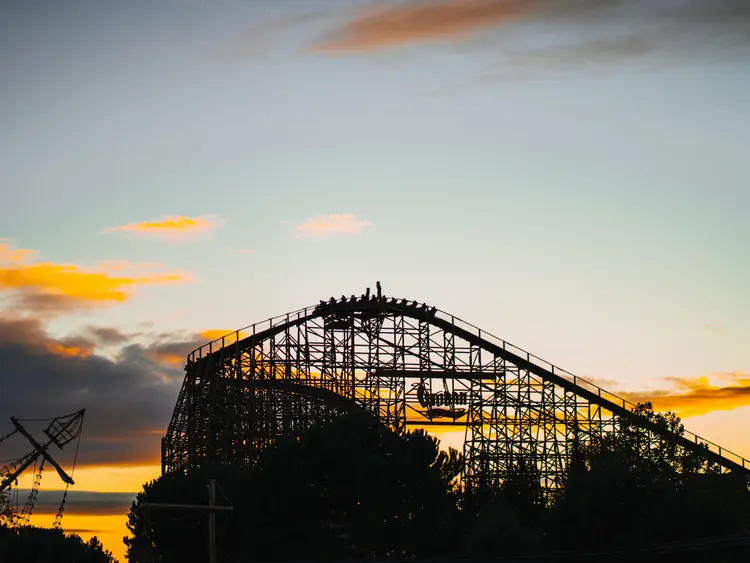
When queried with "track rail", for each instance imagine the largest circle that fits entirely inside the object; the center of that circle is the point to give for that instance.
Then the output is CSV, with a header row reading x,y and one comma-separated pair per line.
x,y
232,343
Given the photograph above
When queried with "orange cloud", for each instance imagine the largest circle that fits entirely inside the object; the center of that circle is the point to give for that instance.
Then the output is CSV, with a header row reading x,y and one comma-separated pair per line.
x,y
697,396
168,359
335,223
71,351
230,336
47,287
19,329
174,353
419,21
172,227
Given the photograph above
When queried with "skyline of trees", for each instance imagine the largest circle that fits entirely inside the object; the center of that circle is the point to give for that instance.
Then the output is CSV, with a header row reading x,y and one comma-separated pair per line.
x,y
353,488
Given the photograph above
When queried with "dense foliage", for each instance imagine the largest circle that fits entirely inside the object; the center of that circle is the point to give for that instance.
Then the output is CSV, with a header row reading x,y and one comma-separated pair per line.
x,y
623,491
627,489
353,488
348,488
6,510
46,545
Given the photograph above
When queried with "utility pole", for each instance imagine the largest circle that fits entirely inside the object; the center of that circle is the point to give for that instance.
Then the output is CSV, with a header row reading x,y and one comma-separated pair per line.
x,y
211,508
211,521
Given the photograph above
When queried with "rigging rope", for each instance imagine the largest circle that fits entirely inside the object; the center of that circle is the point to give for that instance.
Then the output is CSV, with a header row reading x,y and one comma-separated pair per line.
x,y
8,469
58,517
7,436
57,525
61,417
31,500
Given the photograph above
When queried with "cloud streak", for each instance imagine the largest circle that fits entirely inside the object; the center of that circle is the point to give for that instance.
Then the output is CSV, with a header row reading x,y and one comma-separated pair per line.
x,y
258,39
411,22
87,503
174,353
563,34
698,396
172,227
50,288
333,224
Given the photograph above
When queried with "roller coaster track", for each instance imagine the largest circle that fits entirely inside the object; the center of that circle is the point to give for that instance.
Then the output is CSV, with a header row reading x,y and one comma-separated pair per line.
x,y
208,359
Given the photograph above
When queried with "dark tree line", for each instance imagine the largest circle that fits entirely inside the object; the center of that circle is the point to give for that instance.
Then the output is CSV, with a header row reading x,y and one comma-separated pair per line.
x,y
349,488
26,544
353,489
6,509
623,491
46,545
626,489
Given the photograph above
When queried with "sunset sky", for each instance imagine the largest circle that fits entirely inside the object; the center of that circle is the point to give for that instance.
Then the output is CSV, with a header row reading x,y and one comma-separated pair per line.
x,y
569,175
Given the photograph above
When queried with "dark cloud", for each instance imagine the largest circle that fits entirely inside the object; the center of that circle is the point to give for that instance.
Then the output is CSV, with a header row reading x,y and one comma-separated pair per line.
x,y
48,304
128,401
81,503
598,52
705,13
532,36
16,328
107,336
178,348
168,351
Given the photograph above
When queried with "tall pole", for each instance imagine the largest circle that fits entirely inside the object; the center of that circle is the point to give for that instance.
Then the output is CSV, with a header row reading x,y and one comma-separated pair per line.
x,y
211,508
211,521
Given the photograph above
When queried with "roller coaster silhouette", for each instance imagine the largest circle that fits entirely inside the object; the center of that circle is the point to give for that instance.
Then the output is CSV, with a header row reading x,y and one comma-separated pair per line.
x,y
408,364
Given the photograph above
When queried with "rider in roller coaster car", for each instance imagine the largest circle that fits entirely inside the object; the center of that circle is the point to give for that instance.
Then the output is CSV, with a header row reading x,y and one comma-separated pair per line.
x,y
332,305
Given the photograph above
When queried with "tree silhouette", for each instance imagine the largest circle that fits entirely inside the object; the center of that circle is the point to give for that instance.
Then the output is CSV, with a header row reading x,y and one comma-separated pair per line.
x,y
6,508
351,487
628,487
175,535
623,488
47,545
506,518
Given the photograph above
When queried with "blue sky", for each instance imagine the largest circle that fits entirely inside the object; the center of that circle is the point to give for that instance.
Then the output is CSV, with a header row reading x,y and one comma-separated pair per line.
x,y
592,208
580,211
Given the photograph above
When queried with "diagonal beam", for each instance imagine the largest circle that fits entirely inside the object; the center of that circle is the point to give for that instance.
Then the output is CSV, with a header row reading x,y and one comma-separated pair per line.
x,y
391,307
42,450
595,398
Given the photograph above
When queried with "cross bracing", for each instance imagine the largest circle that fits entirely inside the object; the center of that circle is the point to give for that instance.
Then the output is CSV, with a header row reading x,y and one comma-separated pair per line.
x,y
409,364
